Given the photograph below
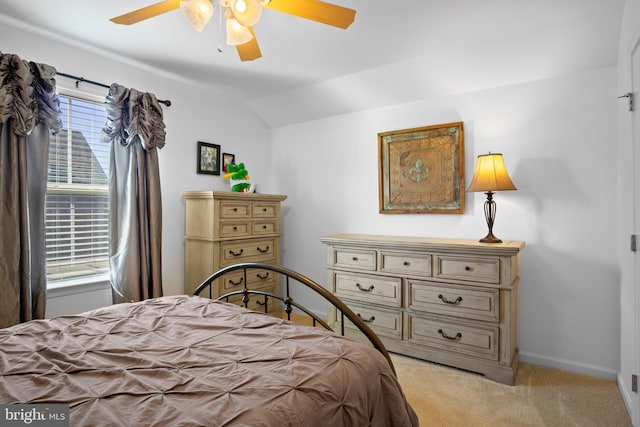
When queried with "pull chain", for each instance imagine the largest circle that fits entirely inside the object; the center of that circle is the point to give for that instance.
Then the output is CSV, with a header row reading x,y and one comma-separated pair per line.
x,y
220,28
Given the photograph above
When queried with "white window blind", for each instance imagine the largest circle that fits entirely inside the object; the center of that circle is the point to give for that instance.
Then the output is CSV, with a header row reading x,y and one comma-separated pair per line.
x,y
76,211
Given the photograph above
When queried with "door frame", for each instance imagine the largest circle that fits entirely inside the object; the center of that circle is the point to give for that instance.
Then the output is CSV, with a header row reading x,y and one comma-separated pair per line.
x,y
634,81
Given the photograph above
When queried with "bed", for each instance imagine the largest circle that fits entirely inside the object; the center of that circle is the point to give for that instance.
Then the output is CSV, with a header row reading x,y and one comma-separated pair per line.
x,y
189,360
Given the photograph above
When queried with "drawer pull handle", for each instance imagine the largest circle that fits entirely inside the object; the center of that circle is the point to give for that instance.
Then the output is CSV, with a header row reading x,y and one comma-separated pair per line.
x,y
369,289
264,209
235,228
236,254
406,263
235,209
355,258
467,268
444,335
238,283
444,299
264,227
263,250
369,320
261,277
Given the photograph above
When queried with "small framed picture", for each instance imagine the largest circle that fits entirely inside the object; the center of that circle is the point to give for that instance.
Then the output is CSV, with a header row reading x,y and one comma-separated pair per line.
x,y
227,159
208,158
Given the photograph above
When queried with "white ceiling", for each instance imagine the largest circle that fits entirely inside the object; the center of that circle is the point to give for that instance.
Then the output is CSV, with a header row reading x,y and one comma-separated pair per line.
x,y
395,51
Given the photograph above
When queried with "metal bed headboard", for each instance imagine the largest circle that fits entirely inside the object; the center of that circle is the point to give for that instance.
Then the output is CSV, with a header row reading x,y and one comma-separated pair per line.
x,y
288,301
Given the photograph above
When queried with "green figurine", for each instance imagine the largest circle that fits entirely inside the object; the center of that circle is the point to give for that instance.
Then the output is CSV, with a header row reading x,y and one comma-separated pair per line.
x,y
239,178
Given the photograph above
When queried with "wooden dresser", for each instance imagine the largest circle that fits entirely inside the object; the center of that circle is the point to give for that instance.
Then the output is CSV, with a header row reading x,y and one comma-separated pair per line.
x,y
224,228
449,301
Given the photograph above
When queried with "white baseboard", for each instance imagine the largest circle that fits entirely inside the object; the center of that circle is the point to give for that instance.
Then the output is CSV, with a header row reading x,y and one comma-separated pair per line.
x,y
627,398
570,366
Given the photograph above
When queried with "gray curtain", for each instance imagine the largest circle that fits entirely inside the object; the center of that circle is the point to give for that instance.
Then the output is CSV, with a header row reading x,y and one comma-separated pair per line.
x,y
29,111
135,129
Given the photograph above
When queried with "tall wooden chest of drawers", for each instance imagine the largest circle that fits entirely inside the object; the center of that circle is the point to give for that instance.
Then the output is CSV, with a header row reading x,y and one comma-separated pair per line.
x,y
450,301
224,228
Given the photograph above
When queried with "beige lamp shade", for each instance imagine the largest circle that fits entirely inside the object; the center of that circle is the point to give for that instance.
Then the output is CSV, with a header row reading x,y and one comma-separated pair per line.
x,y
247,12
197,12
237,33
491,174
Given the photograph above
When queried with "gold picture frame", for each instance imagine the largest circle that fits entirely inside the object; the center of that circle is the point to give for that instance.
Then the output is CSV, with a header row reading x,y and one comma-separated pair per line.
x,y
422,170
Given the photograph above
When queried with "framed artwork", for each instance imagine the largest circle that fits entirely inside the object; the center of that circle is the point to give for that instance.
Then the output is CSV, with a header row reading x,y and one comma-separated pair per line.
x,y
422,170
227,159
208,158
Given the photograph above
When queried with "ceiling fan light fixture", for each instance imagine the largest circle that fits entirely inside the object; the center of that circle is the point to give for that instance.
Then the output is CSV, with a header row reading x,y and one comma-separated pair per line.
x,y
237,33
247,12
197,12
240,28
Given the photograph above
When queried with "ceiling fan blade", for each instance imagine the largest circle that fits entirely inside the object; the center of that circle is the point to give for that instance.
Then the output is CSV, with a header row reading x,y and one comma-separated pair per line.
x,y
315,10
249,50
146,12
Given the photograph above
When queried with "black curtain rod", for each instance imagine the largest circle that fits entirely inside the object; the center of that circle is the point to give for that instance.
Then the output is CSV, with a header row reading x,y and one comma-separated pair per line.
x,y
82,79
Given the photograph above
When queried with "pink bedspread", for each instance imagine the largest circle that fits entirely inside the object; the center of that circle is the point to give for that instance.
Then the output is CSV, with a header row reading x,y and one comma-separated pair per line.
x,y
190,361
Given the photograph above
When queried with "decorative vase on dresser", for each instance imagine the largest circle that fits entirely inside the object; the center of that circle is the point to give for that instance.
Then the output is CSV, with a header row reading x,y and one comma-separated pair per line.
x,y
450,301
224,228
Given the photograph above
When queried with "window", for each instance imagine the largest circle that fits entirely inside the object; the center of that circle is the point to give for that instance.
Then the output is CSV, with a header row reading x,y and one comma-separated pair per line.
x,y
76,210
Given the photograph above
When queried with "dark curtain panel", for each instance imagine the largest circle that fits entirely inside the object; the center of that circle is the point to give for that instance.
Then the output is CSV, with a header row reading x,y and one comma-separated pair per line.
x,y
29,111
135,129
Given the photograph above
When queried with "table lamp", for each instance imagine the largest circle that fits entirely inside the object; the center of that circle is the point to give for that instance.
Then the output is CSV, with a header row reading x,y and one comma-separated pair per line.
x,y
490,175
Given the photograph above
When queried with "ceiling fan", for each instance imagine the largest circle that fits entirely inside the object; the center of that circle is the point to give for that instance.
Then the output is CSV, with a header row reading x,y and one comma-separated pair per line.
x,y
241,15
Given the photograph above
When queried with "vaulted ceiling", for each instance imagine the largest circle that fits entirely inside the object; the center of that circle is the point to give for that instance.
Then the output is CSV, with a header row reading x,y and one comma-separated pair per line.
x,y
396,51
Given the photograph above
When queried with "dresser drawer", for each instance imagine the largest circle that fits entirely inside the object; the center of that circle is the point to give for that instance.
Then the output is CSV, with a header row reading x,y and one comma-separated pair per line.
x,y
264,210
461,301
374,289
256,303
406,263
235,228
256,250
354,259
257,279
264,227
485,270
383,322
235,209
460,337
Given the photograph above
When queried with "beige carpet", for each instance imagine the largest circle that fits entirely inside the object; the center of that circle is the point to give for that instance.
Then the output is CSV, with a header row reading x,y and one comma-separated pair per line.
x,y
541,397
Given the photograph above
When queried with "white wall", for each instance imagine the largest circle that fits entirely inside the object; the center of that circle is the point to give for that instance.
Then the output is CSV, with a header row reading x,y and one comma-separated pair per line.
x,y
195,115
558,140
77,299
629,298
